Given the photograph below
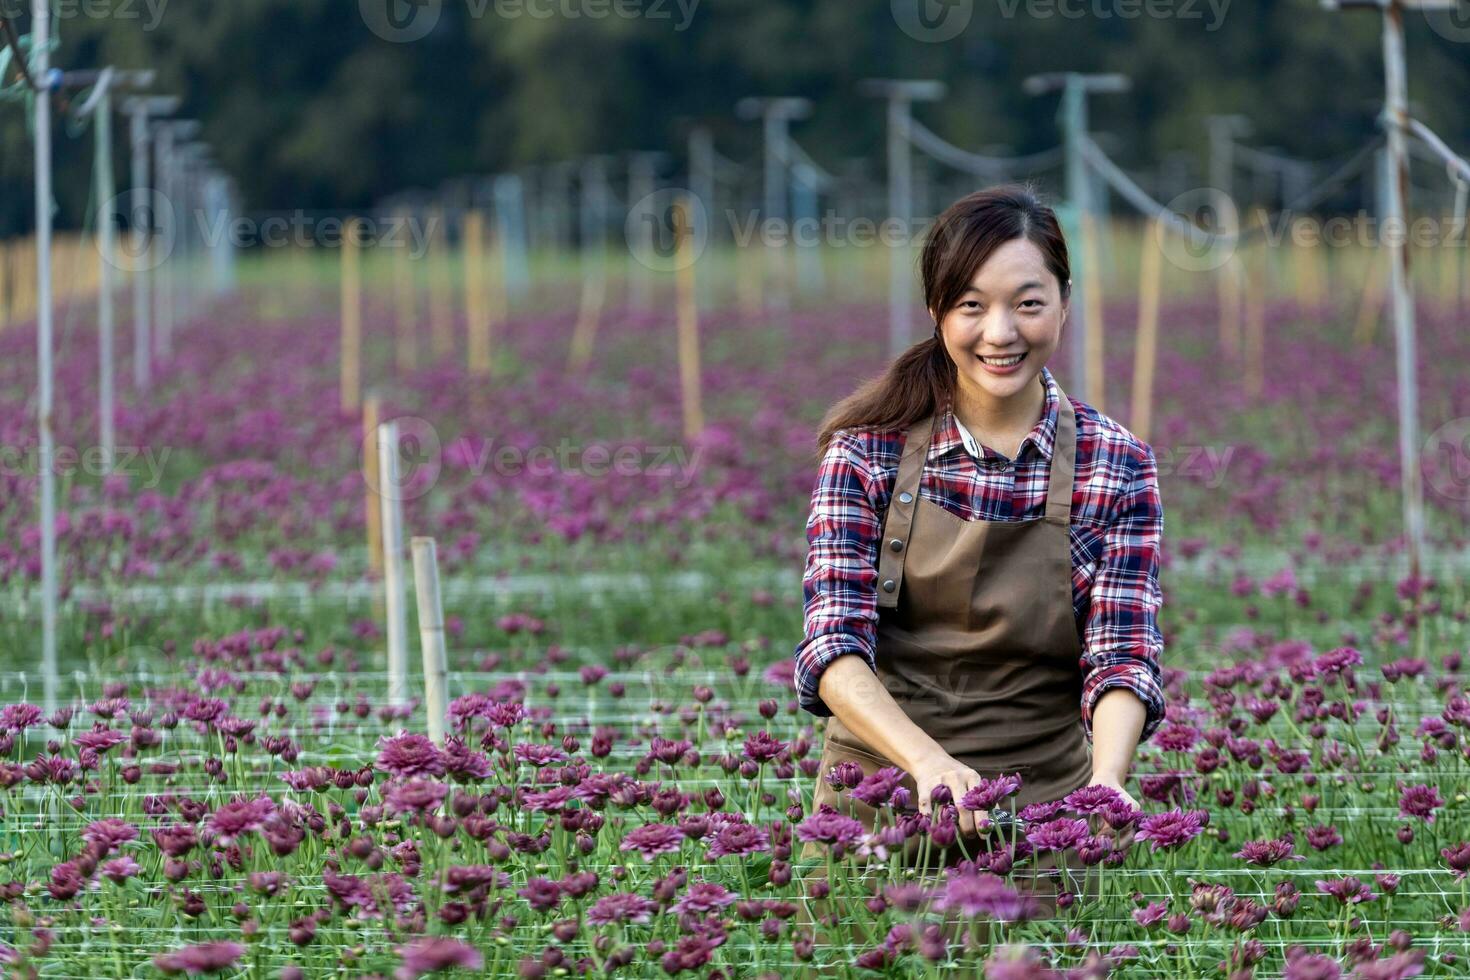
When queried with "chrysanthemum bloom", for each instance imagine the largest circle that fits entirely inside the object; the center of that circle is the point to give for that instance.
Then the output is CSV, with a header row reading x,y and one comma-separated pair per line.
x,y
66,880
982,893
827,826
1151,914
542,894
435,953
1017,963
1041,811
538,754
877,789
119,870
1420,801
239,817
107,835
1173,828
99,741
1266,853
1348,891
1458,859
409,754
844,775
205,958
653,839
704,896
620,907
989,792
1092,799
1056,835
763,747
415,796
1323,836
19,717
1334,662
739,839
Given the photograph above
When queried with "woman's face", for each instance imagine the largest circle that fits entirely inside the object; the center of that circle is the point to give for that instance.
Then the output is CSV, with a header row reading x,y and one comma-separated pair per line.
x,y
1012,308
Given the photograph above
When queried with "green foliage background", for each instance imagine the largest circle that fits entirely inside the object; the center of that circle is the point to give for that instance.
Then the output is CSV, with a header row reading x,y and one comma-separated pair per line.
x,y
308,108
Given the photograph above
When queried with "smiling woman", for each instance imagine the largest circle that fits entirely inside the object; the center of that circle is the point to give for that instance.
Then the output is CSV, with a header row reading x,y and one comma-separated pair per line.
x,y
984,548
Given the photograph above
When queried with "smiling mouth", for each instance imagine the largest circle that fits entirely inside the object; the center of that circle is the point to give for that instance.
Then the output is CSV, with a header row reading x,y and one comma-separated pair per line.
x,y
1002,361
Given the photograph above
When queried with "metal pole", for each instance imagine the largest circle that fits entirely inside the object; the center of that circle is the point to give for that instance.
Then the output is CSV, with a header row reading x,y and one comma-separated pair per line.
x,y
901,96
702,184
142,241
431,635
102,138
1079,191
164,162
41,33
1396,84
389,489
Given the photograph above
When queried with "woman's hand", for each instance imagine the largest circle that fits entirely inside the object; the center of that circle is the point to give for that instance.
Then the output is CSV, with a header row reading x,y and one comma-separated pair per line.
x,y
937,769
1107,828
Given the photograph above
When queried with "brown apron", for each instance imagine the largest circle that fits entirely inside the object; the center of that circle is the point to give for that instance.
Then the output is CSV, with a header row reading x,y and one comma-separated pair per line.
x,y
977,641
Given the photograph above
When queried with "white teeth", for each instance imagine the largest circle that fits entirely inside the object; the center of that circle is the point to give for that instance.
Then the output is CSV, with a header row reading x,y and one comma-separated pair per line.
x,y
1003,361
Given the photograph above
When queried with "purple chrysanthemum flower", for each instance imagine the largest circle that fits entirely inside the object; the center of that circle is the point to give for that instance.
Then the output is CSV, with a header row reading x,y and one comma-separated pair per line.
x,y
109,834
1056,835
415,796
240,817
435,953
763,747
984,893
1302,965
1420,801
99,740
1458,859
989,792
538,754
739,840
1348,891
827,826
19,717
1041,811
704,896
463,764
1092,799
1334,662
652,839
876,790
409,754
205,958
119,870
1266,853
1173,828
1151,914
620,907
1323,836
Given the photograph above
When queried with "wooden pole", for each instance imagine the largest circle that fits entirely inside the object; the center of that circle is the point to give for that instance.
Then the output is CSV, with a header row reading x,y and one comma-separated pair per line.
x,y
1370,306
1227,290
1093,310
441,307
1145,354
371,414
390,500
1255,318
476,314
405,349
688,312
748,267
431,636
589,313
351,383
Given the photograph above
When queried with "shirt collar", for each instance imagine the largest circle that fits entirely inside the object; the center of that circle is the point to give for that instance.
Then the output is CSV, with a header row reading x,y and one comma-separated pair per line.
x,y
949,436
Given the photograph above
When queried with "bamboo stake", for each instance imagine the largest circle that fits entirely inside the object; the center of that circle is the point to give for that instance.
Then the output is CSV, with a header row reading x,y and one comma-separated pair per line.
x,y
405,348
688,312
1227,291
389,491
1370,306
589,313
351,383
431,636
1093,314
1145,354
476,315
441,308
371,413
1255,318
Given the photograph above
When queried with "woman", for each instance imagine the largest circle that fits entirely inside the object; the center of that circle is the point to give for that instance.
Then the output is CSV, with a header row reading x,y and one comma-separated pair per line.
x,y
982,580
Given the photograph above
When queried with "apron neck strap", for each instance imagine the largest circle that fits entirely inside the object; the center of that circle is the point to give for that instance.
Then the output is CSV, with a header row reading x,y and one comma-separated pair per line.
x,y
1063,466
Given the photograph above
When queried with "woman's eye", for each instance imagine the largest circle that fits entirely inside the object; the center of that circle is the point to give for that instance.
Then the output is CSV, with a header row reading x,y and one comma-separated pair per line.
x,y
1038,303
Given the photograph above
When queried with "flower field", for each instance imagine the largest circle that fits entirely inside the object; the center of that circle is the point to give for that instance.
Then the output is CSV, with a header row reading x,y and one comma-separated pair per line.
x,y
626,788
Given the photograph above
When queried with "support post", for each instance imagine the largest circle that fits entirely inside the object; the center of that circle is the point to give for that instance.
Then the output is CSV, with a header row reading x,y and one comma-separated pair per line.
x,y
431,636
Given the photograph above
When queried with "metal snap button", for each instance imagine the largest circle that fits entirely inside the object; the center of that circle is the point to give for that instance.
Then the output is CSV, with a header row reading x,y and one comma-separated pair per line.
x,y
896,544
905,497
889,585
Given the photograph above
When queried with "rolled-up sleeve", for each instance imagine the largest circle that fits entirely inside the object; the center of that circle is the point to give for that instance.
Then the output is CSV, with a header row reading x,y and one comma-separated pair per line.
x,y
1122,645
840,580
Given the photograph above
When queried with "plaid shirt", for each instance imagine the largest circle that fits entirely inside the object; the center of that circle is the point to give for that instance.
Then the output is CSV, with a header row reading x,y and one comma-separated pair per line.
x,y
1116,528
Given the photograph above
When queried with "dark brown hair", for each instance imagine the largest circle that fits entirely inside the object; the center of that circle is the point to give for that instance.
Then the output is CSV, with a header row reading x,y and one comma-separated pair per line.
x,y
922,378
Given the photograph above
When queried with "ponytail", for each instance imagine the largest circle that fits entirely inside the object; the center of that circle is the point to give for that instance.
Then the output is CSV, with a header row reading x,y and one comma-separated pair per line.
x,y
920,380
